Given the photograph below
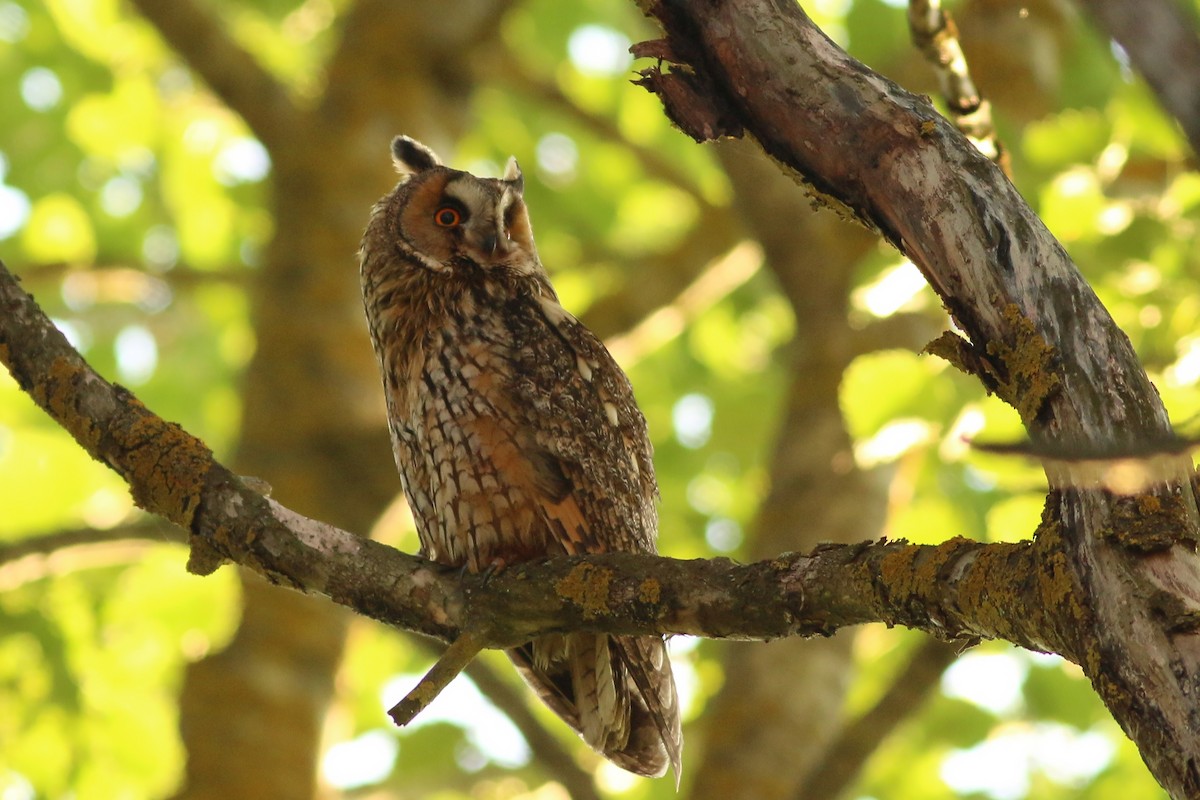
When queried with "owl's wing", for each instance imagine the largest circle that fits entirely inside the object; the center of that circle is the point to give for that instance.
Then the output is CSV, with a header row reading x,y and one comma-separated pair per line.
x,y
585,436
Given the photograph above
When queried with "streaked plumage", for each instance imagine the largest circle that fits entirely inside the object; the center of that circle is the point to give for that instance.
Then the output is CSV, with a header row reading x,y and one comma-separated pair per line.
x,y
515,433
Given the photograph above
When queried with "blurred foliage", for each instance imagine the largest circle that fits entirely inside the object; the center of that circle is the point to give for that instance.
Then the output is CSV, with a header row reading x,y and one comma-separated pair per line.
x,y
133,204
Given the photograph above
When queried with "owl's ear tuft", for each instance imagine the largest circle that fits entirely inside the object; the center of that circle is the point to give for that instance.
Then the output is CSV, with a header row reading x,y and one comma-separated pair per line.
x,y
512,173
411,157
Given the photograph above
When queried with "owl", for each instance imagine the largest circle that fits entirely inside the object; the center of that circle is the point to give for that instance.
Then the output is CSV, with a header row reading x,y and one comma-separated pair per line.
x,y
515,432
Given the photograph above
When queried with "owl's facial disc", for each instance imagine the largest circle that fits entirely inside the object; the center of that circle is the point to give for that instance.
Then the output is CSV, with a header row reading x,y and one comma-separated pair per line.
x,y
494,227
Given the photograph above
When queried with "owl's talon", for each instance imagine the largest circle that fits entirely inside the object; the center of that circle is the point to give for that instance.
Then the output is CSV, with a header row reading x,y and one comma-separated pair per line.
x,y
494,568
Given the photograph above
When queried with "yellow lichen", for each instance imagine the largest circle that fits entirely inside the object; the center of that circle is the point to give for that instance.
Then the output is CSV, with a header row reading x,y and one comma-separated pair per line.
x,y
587,587
58,393
649,591
1026,379
896,571
166,467
1147,523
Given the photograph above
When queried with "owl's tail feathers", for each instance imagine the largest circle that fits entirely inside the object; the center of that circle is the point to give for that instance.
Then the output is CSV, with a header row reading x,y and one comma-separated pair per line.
x,y
601,699
617,691
655,735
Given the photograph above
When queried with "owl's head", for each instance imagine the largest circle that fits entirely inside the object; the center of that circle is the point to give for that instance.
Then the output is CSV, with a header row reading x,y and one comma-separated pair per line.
x,y
447,216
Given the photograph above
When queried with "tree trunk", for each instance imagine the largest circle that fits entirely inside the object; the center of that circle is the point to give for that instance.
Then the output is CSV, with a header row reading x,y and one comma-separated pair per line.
x,y
1125,604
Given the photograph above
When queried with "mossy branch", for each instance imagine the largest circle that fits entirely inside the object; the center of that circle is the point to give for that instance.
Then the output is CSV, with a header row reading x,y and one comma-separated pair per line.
x,y
959,589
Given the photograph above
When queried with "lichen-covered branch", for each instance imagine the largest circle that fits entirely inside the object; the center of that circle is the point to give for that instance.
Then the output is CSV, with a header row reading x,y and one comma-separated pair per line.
x,y
1035,333
174,475
958,589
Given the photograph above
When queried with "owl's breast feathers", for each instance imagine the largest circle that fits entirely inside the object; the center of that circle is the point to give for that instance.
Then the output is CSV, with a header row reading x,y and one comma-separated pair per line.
x,y
513,415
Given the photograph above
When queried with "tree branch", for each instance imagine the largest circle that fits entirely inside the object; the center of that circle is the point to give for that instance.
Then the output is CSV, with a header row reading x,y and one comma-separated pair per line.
x,y
510,69
151,530
37,557
1161,41
231,72
958,589
549,752
908,330
936,36
662,277
716,280
1037,336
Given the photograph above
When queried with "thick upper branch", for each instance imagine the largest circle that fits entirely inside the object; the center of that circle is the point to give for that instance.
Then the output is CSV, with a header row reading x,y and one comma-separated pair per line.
x,y
1036,333
934,196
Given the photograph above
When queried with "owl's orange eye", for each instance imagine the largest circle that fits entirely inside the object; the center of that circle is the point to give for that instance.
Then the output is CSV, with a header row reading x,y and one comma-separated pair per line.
x,y
447,216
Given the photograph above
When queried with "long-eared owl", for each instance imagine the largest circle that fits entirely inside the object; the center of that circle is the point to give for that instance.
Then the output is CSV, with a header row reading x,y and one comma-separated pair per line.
x,y
515,432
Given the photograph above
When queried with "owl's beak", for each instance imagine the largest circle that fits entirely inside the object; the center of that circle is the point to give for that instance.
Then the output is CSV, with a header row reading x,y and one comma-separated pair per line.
x,y
494,244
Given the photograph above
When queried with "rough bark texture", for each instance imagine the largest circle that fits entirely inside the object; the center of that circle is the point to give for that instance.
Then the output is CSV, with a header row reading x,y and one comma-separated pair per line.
x,y
1037,336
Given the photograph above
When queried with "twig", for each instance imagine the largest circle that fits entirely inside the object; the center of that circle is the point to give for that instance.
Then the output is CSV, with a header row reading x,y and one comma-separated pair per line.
x,y
38,557
458,655
149,530
911,330
603,128
135,277
549,751
718,279
936,36
661,277
665,274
